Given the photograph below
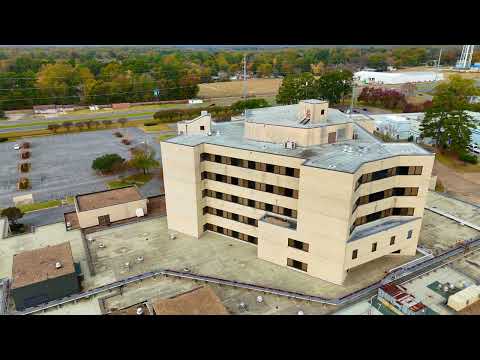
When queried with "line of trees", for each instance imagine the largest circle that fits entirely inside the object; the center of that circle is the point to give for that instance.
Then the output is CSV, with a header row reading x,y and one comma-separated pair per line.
x,y
107,75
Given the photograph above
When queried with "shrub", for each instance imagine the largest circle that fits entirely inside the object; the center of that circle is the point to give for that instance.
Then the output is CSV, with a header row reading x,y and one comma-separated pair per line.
x,y
150,123
410,138
25,167
3,139
126,141
108,163
25,145
249,104
25,155
118,134
12,214
439,186
468,158
53,127
107,123
23,183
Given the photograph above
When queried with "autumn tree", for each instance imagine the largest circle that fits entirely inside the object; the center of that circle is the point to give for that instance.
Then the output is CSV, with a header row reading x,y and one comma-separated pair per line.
x,y
143,158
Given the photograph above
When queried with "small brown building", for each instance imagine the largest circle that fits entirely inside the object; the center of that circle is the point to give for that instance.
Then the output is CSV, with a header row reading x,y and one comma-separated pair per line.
x,y
108,206
43,275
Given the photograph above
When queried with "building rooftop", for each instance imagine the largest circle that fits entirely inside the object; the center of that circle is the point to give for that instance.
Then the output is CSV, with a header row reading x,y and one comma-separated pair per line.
x,y
132,310
200,301
38,265
101,199
346,155
368,229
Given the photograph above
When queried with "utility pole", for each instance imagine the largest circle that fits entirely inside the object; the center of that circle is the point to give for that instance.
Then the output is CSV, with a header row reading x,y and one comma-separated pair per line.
x,y
245,83
245,77
353,97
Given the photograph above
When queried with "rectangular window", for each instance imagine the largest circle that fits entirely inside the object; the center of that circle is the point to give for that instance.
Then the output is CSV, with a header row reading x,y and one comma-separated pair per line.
x,y
287,212
234,181
205,227
204,193
218,195
410,233
269,207
252,239
298,245
235,234
289,171
205,210
218,159
204,157
270,168
251,165
204,175
392,240
202,127
235,217
251,203
418,170
234,199
269,188
297,264
251,184
220,229
374,247
288,192
221,213
354,254
234,161
251,221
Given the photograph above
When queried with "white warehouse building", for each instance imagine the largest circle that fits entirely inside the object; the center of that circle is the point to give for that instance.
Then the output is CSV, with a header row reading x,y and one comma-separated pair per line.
x,y
368,77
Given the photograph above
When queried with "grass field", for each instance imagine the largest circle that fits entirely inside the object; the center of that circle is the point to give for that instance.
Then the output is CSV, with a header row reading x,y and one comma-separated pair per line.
x,y
136,179
235,88
166,137
113,111
453,163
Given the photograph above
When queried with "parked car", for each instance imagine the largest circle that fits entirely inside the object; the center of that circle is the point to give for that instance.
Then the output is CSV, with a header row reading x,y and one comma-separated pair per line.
x,y
474,148
16,147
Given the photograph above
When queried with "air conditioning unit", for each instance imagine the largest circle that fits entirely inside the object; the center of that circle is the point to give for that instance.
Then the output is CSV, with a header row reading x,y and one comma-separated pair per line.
x,y
290,145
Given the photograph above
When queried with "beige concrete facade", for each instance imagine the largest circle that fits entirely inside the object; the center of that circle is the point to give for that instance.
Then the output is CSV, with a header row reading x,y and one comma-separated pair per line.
x,y
119,210
199,125
315,205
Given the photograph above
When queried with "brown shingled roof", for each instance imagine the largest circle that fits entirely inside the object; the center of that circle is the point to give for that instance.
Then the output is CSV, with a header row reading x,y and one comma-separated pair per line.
x,y
200,301
106,198
38,265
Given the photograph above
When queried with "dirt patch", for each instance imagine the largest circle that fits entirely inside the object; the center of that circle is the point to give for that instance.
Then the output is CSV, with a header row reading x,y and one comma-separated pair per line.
x,y
235,88
465,186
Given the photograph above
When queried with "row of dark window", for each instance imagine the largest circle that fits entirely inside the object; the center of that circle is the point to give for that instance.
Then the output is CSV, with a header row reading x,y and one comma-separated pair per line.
x,y
297,264
254,185
249,164
380,195
382,174
374,245
231,216
232,233
297,244
250,203
382,214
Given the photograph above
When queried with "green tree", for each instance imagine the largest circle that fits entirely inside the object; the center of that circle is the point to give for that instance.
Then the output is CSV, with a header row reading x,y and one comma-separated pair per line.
x,y
107,163
334,85
249,104
447,122
2,114
296,87
12,214
143,158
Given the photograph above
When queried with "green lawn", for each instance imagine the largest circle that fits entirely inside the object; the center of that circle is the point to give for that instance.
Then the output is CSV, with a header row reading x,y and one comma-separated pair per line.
x,y
39,205
455,164
111,117
136,179
166,137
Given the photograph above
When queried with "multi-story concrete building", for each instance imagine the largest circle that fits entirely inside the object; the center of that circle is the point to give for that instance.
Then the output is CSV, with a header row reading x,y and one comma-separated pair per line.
x,y
313,189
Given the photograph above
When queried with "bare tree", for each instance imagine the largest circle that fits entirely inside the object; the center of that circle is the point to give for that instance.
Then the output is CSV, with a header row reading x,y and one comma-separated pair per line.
x,y
122,121
107,123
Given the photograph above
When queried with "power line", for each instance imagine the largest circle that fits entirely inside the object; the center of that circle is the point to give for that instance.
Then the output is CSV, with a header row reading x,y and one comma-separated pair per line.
x,y
88,96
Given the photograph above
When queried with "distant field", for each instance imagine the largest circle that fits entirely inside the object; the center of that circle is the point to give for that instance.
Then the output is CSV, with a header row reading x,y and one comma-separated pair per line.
x,y
235,88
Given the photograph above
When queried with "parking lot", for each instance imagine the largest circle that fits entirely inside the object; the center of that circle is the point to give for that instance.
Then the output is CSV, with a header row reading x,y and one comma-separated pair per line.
x,y
61,164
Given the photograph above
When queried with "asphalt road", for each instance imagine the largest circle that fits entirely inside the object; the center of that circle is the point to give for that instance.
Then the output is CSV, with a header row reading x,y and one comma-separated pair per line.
x,y
46,216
